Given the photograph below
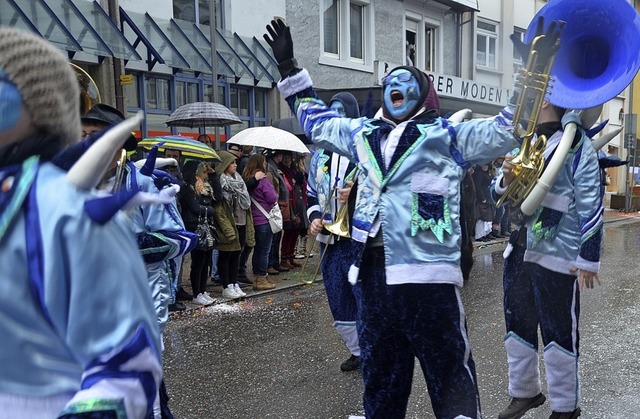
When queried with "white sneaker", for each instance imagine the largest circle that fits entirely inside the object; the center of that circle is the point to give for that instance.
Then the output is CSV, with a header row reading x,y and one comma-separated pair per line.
x,y
201,299
208,297
238,290
230,292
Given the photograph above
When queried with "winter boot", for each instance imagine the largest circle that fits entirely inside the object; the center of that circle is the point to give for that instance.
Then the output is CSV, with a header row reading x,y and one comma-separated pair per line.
x,y
261,283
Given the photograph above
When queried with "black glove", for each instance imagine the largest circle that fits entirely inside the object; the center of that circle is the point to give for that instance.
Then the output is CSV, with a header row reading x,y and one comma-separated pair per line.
x,y
547,46
282,46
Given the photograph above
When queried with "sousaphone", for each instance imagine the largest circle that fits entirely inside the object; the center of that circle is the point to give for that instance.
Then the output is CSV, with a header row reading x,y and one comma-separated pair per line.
x,y
597,59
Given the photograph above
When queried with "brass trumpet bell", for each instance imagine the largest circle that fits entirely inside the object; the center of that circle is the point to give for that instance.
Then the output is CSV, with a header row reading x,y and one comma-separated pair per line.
x,y
340,227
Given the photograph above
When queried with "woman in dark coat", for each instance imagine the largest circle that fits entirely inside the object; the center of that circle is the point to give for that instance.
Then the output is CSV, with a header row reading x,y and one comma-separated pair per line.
x,y
197,204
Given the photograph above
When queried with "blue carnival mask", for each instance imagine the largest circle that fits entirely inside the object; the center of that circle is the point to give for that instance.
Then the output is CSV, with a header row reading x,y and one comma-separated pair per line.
x,y
339,107
10,103
401,94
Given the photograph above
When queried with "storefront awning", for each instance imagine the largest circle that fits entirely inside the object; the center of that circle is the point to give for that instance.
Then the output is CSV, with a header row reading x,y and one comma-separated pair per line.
x,y
145,34
83,26
201,42
73,26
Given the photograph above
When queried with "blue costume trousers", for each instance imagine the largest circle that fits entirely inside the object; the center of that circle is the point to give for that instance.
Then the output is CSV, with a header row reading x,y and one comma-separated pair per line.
x,y
343,297
537,297
401,322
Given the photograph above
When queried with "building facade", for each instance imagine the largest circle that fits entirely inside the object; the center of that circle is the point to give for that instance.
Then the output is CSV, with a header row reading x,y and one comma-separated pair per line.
x,y
156,55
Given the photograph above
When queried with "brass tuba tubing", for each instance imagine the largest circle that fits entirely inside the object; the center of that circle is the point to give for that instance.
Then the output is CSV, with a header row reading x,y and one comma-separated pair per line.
x,y
529,162
89,93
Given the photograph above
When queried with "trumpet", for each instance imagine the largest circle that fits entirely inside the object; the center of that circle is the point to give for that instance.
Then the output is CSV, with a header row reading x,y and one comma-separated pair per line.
x,y
339,227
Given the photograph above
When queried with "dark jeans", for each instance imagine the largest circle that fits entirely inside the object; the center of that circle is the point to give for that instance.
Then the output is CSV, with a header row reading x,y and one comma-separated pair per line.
x,y
274,254
260,260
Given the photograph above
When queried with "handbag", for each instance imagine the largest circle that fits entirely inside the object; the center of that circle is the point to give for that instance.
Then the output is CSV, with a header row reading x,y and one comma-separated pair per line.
x,y
274,216
205,232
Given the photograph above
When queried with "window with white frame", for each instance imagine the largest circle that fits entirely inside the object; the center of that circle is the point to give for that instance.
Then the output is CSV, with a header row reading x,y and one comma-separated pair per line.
x,y
420,43
518,60
347,32
487,43
197,11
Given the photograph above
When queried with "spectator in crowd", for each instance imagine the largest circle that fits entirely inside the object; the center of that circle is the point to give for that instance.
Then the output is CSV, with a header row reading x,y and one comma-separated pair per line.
x,y
205,139
501,226
275,176
485,207
242,154
263,194
300,251
296,184
234,221
197,205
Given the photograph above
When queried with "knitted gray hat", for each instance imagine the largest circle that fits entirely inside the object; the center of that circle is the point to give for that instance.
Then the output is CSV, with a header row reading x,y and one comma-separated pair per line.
x,y
46,81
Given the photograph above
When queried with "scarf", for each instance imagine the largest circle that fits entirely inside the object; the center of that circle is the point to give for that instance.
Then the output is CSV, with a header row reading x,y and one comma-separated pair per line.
x,y
234,191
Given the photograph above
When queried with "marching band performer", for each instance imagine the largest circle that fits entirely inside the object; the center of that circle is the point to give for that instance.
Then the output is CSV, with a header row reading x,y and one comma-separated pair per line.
x,y
548,262
326,169
75,343
406,230
556,251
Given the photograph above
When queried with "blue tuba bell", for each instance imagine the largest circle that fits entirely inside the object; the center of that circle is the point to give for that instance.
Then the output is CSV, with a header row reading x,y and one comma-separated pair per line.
x,y
599,51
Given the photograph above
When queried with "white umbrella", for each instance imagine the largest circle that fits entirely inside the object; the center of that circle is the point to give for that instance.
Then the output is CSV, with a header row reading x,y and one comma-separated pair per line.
x,y
269,137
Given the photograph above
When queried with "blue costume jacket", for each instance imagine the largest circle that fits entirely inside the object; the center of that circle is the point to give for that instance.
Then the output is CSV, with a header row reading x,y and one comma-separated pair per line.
x,y
414,191
162,238
72,319
566,231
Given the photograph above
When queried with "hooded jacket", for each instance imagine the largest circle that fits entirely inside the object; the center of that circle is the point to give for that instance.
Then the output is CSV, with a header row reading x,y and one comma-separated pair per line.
x,y
228,236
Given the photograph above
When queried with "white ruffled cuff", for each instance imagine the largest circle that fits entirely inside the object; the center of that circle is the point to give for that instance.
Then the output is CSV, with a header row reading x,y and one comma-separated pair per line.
x,y
295,83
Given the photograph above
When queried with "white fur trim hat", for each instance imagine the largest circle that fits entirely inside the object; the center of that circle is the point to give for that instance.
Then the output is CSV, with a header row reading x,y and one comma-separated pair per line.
x,y
47,83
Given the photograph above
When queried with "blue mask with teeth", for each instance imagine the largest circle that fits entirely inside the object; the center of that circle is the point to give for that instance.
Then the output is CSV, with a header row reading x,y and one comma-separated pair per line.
x,y
11,104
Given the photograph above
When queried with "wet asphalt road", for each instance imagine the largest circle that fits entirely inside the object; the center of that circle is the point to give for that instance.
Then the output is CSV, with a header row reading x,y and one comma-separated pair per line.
x,y
277,355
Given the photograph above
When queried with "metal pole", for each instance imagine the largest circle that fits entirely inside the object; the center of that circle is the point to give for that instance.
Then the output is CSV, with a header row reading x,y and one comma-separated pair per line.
x,y
627,194
117,64
214,61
